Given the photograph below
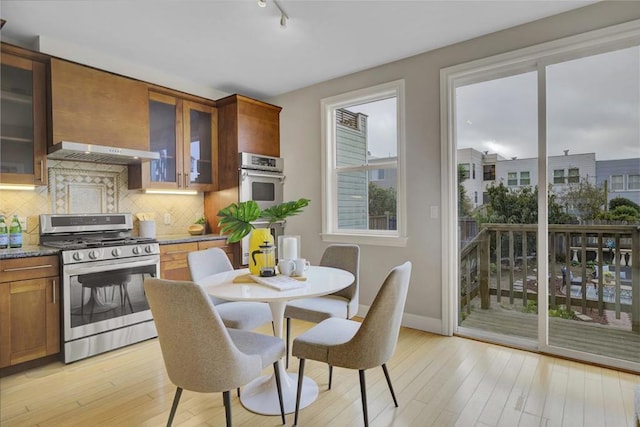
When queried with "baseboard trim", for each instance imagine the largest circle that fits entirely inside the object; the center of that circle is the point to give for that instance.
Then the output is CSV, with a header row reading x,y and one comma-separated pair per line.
x,y
413,321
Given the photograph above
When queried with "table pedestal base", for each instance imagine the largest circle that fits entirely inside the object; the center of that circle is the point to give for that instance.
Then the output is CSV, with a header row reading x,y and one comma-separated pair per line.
x,y
261,395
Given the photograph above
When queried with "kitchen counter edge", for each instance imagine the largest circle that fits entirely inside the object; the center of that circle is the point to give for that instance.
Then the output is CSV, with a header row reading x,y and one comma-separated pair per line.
x,y
28,251
187,238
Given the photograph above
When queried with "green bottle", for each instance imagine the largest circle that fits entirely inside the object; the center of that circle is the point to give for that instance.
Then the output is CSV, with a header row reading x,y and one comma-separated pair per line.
x,y
15,233
4,234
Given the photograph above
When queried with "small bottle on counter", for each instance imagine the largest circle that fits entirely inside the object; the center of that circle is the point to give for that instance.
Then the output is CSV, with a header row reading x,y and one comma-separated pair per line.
x,y
15,233
4,233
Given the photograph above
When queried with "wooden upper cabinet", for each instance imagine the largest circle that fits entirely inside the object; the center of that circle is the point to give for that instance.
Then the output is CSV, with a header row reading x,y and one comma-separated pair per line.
x,y
96,107
184,133
246,125
23,122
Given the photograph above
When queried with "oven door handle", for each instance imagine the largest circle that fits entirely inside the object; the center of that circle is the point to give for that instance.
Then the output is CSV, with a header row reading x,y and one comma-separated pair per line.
x,y
100,266
246,174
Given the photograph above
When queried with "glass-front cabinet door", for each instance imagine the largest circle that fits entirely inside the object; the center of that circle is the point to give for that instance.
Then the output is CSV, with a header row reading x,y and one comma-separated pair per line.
x,y
184,134
165,140
200,143
23,121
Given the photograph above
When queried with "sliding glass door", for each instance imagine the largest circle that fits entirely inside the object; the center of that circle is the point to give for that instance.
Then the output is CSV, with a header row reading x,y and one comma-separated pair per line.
x,y
545,167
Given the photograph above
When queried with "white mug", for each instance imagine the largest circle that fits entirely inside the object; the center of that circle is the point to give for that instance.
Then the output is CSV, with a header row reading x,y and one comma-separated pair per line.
x,y
286,267
301,266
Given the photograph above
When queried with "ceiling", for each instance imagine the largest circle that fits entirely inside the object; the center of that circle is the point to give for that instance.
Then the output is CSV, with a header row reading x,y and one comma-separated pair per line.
x,y
238,47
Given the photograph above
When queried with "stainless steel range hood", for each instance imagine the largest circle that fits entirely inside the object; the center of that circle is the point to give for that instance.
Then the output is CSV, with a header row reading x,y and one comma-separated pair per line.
x,y
77,151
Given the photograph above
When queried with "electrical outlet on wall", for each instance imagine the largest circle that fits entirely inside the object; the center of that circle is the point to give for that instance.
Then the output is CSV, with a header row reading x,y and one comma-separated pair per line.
x,y
23,222
167,218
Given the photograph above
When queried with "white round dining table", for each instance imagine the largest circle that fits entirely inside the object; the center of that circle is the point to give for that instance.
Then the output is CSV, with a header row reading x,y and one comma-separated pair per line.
x,y
260,395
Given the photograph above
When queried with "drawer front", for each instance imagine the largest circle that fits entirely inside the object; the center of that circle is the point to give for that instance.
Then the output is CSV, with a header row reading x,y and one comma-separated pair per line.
x,y
12,270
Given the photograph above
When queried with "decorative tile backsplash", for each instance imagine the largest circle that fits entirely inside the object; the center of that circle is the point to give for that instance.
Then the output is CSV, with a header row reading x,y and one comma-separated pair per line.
x,y
80,187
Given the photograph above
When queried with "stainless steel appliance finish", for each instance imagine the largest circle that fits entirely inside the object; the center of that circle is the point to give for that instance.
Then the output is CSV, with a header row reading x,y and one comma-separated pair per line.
x,y
103,268
67,150
261,179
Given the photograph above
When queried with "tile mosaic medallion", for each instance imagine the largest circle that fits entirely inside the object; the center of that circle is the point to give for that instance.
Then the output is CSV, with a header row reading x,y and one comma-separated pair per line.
x,y
83,191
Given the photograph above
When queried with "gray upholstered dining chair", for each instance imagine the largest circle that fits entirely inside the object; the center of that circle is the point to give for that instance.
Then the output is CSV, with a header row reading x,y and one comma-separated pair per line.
x,y
235,314
342,304
348,344
199,352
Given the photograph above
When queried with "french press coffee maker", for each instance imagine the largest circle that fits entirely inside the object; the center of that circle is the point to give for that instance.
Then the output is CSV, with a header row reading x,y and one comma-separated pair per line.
x,y
265,259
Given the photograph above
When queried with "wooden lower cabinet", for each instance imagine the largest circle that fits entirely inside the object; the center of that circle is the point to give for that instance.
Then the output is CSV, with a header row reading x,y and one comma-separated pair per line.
x,y
173,257
29,309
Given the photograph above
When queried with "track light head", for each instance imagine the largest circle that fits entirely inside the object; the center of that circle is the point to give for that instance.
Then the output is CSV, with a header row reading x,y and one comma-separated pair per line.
x,y
262,3
283,21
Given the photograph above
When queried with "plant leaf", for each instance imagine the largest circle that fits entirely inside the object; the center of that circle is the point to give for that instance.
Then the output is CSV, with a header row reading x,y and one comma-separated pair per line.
x,y
235,219
283,210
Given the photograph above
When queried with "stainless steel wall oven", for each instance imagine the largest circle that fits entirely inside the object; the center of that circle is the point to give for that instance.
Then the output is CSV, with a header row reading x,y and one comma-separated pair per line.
x,y
261,180
103,269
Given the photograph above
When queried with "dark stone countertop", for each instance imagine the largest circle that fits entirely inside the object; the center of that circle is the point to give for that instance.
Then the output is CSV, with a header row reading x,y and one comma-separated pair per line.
x,y
27,251
187,238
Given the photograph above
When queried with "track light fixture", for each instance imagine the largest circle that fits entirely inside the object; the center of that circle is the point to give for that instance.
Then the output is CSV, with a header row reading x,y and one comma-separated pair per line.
x,y
283,16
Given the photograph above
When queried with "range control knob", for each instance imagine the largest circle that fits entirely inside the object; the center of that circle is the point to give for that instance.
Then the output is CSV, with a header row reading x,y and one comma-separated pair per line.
x,y
136,250
94,254
148,249
78,256
116,252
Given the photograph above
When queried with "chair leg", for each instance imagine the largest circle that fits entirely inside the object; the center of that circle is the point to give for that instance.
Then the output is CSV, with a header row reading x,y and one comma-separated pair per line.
x,y
226,397
279,387
330,375
363,394
286,343
238,392
386,375
176,399
299,393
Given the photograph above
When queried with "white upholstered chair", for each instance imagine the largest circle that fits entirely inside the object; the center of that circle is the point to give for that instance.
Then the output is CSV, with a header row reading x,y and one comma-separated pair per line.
x,y
348,344
235,314
199,352
342,304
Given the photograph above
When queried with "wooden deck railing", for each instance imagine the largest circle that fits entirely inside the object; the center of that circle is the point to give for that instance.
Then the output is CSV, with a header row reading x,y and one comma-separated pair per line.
x,y
501,260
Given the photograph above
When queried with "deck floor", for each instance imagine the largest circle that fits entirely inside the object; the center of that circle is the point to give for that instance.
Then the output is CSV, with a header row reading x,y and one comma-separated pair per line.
x,y
606,340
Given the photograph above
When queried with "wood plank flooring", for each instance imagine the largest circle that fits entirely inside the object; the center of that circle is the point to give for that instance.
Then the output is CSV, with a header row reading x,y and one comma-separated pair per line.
x,y
439,381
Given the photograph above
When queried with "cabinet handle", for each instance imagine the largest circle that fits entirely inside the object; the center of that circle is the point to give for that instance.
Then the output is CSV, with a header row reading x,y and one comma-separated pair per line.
x,y
41,170
33,267
176,252
186,181
53,288
179,179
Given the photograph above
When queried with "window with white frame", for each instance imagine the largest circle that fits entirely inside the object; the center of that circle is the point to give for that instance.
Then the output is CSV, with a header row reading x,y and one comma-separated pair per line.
x,y
574,176
617,183
525,178
512,179
558,176
633,182
364,195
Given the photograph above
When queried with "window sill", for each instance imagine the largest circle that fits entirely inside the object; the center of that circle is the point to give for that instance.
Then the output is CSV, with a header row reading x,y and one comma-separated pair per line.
x,y
365,239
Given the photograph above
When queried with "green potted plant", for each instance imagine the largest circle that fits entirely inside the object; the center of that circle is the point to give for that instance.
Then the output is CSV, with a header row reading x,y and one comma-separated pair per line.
x,y
236,218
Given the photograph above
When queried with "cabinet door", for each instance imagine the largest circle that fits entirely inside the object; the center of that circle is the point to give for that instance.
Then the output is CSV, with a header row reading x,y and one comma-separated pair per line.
x,y
31,308
97,107
165,118
23,121
200,146
173,260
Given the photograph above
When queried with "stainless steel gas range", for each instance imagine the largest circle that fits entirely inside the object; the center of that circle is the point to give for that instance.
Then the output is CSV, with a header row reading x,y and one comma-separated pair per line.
x,y
103,268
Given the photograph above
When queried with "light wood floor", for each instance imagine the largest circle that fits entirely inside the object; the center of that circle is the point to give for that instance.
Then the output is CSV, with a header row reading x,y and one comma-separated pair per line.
x,y
439,381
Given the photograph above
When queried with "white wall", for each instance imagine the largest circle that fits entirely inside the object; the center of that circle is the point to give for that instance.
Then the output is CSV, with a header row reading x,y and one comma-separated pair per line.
x,y
301,147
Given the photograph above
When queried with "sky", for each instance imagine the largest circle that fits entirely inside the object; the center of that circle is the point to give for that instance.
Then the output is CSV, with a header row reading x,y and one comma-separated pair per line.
x,y
382,124
593,106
